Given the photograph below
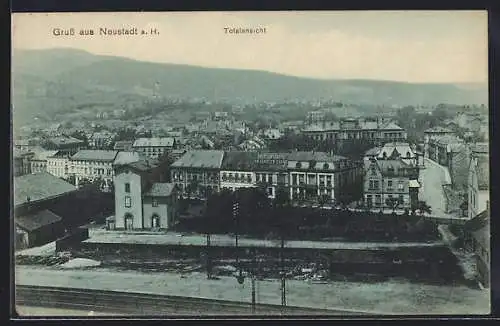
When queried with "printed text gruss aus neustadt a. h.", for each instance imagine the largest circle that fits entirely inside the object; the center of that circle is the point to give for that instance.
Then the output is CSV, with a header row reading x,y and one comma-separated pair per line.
x,y
103,31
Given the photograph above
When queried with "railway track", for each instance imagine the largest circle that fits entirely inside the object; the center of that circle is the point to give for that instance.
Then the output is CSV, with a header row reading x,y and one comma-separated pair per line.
x,y
153,304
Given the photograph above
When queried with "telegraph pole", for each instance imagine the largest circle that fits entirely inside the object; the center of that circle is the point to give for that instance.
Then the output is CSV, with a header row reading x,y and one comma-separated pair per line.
x,y
253,281
283,285
209,261
236,208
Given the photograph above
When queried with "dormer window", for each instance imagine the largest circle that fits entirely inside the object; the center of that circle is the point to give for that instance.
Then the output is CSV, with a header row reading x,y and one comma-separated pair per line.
x,y
298,165
326,166
408,155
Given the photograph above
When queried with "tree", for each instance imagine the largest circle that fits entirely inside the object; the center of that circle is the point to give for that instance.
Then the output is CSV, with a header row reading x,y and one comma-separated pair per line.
x,y
253,208
125,134
323,199
423,208
192,187
71,179
81,136
392,203
166,160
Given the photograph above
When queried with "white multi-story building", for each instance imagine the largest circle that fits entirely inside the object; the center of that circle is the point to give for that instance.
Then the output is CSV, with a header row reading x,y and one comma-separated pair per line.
x,y
38,161
58,165
92,164
302,175
154,147
237,170
142,199
379,131
318,174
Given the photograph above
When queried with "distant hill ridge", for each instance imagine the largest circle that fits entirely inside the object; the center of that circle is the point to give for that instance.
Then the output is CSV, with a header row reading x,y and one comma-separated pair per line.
x,y
73,70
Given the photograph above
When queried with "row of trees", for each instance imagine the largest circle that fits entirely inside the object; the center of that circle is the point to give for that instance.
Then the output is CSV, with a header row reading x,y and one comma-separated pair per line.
x,y
250,211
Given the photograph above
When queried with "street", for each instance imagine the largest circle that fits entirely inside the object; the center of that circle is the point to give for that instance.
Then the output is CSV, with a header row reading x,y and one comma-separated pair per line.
x,y
431,191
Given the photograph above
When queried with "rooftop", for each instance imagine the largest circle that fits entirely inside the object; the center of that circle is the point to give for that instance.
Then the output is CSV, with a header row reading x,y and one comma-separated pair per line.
x,y
373,151
42,155
127,157
154,142
144,164
94,155
201,159
123,144
59,154
37,220
17,153
341,125
438,129
160,189
390,167
388,126
39,186
448,139
402,149
239,160
313,156
59,141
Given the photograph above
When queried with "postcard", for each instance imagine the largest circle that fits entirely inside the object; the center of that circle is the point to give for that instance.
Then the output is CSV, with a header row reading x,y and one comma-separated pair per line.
x,y
187,164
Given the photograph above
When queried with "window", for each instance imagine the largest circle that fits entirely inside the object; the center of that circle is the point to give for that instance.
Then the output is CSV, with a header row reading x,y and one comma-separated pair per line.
x,y
155,202
127,187
326,166
298,165
389,183
369,200
401,199
128,201
270,191
400,185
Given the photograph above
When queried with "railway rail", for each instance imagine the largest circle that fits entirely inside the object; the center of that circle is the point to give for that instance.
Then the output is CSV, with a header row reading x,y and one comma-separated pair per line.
x,y
145,304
